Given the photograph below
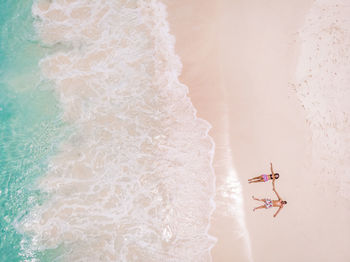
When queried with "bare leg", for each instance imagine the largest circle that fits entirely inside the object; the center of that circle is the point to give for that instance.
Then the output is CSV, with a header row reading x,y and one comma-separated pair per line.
x,y
259,207
254,178
256,181
263,199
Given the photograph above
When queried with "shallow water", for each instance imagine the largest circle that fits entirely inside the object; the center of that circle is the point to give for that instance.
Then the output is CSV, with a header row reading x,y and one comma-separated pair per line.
x,y
30,126
120,167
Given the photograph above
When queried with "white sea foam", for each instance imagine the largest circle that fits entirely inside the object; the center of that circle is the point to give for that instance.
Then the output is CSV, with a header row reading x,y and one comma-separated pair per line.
x,y
134,182
323,75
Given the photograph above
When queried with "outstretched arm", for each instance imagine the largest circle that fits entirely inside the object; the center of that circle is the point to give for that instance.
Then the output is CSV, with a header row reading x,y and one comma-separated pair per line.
x,y
273,174
273,177
274,190
277,212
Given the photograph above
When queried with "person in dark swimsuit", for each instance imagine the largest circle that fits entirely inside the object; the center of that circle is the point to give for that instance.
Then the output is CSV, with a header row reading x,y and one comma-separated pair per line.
x,y
264,177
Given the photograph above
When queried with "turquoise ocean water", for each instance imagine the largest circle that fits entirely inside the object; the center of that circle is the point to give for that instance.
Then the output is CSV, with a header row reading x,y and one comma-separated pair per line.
x,y
29,127
100,146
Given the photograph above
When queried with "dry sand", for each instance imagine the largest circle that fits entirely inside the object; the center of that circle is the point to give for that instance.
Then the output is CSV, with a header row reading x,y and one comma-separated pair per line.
x,y
239,60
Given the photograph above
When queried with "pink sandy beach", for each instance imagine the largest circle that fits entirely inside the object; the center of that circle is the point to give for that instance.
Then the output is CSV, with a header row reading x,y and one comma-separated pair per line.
x,y
239,62
271,77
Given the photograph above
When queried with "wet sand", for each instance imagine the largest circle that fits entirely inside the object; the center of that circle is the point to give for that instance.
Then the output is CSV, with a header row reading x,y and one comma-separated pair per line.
x,y
239,60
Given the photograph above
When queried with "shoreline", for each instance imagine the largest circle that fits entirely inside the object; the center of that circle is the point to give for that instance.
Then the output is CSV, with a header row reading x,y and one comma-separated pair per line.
x,y
116,179
235,69
148,142
205,88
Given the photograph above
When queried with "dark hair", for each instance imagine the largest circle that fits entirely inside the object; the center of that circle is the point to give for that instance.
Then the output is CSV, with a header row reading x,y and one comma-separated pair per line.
x,y
276,176
284,202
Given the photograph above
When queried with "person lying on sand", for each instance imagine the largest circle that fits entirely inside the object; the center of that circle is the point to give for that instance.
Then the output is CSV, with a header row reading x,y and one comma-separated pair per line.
x,y
264,177
268,203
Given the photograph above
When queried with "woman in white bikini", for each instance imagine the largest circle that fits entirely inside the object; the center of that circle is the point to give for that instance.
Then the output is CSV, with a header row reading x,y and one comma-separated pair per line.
x,y
268,203
264,177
